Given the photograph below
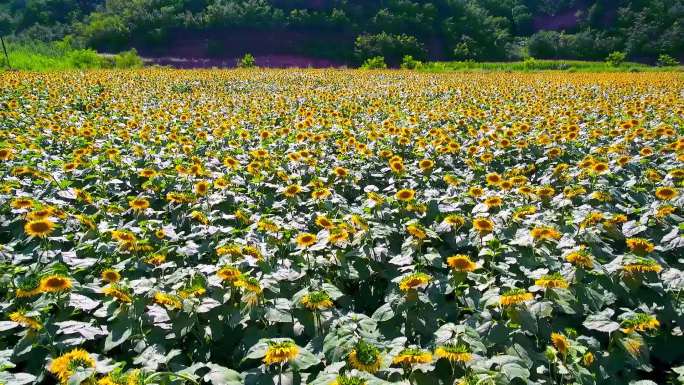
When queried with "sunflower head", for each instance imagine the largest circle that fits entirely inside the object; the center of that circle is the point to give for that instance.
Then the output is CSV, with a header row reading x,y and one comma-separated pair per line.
x,y
280,352
317,300
55,283
64,366
305,240
40,228
412,356
454,352
365,357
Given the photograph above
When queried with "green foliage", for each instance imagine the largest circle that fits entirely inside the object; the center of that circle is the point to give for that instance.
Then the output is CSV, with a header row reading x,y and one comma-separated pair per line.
x,y
478,30
246,61
374,63
391,47
532,64
408,62
665,60
128,59
616,58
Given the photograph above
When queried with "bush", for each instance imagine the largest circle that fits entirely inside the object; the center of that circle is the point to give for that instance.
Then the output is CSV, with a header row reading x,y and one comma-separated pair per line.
x,y
128,59
391,47
373,63
246,61
616,58
665,60
85,58
409,63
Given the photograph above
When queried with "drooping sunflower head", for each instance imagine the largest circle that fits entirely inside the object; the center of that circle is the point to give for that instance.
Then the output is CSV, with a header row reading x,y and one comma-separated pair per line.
x,y
30,322
581,258
317,300
349,380
279,352
640,322
414,281
461,263
560,342
64,366
542,233
454,352
229,274
170,301
514,297
117,292
412,356
640,246
552,281
365,357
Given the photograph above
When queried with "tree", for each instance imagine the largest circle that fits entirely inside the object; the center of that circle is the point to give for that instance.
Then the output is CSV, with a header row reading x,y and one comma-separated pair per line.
x,y
391,47
246,61
616,58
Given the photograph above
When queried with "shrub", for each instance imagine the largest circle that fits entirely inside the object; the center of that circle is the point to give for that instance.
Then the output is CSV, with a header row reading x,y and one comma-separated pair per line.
x,y
408,62
391,47
665,60
128,59
616,58
85,58
246,61
375,62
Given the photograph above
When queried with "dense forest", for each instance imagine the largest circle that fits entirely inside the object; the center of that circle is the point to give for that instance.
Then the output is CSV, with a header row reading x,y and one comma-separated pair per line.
x,y
352,30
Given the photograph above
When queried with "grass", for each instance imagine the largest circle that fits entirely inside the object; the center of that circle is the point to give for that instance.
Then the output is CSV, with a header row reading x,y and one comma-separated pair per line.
x,y
541,65
60,55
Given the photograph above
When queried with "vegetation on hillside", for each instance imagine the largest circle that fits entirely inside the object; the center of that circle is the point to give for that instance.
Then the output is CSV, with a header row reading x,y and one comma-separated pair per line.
x,y
449,29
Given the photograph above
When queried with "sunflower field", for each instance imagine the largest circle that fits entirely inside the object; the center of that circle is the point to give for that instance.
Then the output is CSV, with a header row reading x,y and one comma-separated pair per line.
x,y
339,227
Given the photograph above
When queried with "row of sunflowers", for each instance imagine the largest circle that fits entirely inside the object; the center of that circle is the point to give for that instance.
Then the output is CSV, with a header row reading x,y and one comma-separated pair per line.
x,y
335,227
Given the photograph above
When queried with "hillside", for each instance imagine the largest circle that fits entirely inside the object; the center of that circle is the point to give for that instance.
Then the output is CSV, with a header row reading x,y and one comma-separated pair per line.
x,y
347,31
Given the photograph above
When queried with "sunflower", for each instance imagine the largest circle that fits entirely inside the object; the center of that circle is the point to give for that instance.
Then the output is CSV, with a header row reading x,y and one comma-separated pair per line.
x,y
22,319
560,343
405,194
412,356
454,221
454,353
22,203
139,204
552,281
201,188
64,366
292,190
599,167
642,265
514,297
40,228
305,240
483,225
54,284
365,357
110,275
147,173
324,222
341,172
321,193
581,258
316,300
117,292
416,231
229,274
461,263
541,233
493,179
169,300
397,167
426,165
349,380
666,193
6,154
639,246
280,352
640,322
414,281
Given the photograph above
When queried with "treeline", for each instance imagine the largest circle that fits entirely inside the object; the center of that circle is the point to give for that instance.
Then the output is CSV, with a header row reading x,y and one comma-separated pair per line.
x,y
480,30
